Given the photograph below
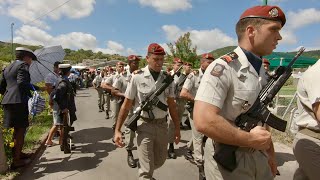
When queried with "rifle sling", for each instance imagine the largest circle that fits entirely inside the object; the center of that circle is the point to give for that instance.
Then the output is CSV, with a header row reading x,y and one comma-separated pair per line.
x,y
160,105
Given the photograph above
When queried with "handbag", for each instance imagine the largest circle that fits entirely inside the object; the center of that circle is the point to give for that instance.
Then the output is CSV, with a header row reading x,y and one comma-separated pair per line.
x,y
36,104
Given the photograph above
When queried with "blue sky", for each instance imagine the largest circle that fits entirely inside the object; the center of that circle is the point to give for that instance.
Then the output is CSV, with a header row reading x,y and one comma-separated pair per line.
x,y
128,26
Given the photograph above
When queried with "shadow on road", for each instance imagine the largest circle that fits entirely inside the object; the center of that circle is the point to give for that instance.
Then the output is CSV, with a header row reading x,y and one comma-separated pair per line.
x,y
284,157
89,147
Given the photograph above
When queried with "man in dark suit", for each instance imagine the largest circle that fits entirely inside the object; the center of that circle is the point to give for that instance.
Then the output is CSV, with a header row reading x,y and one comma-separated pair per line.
x,y
15,86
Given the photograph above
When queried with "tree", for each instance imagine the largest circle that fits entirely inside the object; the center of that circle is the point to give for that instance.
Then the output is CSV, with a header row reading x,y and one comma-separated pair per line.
x,y
184,50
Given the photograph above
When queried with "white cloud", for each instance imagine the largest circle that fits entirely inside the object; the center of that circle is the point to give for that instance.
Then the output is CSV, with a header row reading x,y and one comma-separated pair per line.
x,y
131,51
288,37
35,36
75,40
113,47
29,10
303,18
205,40
167,6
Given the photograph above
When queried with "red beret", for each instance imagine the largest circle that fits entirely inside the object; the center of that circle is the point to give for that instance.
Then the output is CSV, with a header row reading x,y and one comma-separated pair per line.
x,y
207,56
266,61
187,64
133,58
156,49
177,60
120,63
265,12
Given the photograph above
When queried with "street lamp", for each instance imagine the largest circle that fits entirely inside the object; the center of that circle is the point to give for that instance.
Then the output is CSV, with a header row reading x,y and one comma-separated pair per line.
x,y
12,41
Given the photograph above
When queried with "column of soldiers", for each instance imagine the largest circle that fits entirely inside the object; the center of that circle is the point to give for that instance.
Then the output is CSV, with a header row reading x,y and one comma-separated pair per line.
x,y
214,95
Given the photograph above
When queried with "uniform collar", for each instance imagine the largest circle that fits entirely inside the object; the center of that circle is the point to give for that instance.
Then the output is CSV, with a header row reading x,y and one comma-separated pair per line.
x,y
245,62
146,72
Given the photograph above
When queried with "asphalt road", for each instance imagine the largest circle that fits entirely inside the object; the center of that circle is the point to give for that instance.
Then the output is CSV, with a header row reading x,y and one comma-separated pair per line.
x,y
95,156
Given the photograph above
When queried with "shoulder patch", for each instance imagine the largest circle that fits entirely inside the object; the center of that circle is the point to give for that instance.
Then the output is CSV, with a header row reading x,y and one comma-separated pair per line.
x,y
217,70
138,71
230,57
190,76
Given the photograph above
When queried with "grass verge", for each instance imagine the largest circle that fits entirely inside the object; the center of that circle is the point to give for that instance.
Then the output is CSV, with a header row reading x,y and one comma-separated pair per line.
x,y
38,127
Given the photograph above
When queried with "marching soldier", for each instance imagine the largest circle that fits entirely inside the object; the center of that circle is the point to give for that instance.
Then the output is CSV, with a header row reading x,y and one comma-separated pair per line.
x,y
306,145
114,101
188,92
152,134
109,73
120,86
97,85
229,87
177,62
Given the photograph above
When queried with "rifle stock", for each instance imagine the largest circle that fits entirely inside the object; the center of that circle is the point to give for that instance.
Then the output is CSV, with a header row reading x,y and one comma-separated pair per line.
x,y
225,154
132,122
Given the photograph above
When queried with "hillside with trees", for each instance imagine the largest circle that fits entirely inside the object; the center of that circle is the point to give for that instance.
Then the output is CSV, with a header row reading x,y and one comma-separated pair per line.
x,y
75,56
181,48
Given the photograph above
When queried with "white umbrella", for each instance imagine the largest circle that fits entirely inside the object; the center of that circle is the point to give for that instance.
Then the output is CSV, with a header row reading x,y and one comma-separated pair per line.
x,y
46,58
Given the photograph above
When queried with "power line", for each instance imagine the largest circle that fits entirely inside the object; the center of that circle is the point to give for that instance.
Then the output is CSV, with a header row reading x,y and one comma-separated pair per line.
x,y
45,14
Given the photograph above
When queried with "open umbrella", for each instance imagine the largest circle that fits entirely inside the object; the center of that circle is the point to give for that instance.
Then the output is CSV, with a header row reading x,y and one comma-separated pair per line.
x,y
46,58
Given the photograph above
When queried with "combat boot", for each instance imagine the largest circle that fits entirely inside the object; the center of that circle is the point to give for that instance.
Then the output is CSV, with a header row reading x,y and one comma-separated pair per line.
x,y
107,114
171,153
201,172
131,162
189,156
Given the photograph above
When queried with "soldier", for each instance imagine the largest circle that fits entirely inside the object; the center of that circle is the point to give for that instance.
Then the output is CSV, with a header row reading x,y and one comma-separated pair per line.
x,y
97,85
152,134
120,86
109,73
177,62
114,101
188,92
306,145
229,87
266,64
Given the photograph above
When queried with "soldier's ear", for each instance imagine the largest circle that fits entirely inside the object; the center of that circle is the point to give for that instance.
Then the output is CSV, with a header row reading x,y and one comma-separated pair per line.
x,y
250,31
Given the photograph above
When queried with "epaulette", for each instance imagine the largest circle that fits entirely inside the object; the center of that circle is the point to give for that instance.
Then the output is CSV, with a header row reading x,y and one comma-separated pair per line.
x,y
138,71
190,76
195,72
229,57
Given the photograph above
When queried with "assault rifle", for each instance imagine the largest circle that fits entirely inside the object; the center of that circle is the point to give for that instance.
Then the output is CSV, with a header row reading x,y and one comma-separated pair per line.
x,y
66,138
149,102
180,83
224,153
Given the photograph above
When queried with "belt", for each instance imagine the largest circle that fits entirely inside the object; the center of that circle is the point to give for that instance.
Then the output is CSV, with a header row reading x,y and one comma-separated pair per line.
x,y
148,120
311,133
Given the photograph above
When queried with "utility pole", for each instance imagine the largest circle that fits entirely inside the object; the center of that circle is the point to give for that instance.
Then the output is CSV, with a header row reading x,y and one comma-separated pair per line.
x,y
265,2
12,58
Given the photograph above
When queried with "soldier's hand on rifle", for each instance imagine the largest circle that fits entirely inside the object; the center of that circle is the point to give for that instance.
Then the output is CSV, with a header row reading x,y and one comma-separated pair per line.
x,y
260,138
65,110
118,139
